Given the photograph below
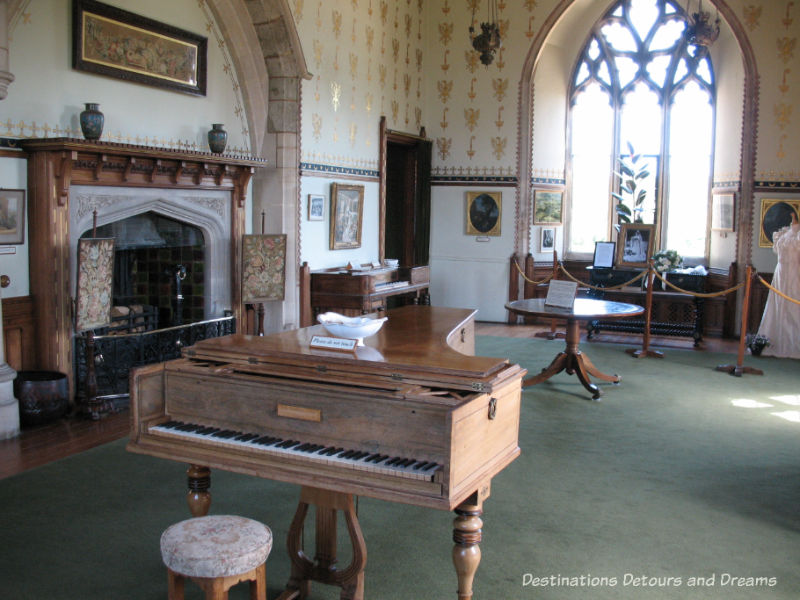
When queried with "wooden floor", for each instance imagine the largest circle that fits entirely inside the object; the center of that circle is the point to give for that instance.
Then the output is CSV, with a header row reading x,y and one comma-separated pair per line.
x,y
37,446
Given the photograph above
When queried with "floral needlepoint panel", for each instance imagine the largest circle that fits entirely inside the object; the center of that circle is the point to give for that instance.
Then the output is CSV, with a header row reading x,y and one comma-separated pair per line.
x,y
95,282
264,267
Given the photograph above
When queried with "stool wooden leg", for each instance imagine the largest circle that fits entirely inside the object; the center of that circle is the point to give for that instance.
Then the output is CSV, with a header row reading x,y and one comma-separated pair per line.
x,y
174,585
258,587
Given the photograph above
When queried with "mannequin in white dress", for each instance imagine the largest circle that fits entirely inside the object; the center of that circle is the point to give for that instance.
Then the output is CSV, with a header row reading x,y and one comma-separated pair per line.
x,y
781,320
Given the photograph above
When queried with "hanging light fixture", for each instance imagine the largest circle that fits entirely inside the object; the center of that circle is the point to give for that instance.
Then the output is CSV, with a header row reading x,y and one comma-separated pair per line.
x,y
488,41
700,31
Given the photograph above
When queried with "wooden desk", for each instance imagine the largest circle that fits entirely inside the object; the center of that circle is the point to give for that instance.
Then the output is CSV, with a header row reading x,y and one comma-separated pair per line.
x,y
571,359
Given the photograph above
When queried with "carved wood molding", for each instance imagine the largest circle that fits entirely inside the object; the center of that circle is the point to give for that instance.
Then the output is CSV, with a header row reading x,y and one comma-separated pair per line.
x,y
110,163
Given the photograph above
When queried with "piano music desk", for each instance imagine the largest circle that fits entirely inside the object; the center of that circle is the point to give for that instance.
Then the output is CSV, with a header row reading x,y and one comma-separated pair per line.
x,y
405,418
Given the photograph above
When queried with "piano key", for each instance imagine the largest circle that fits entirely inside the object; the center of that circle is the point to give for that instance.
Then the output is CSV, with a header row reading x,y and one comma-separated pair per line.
x,y
376,462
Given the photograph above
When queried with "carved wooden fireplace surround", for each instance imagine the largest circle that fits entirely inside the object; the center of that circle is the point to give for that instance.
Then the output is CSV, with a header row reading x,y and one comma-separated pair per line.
x,y
56,164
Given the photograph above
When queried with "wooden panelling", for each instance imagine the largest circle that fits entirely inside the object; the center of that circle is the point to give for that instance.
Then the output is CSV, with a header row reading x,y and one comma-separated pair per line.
x,y
19,333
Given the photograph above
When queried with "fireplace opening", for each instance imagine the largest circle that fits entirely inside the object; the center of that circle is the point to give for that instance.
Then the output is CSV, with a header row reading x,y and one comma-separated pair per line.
x,y
159,266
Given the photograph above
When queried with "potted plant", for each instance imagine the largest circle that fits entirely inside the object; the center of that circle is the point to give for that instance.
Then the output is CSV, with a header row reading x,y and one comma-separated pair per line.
x,y
756,343
632,171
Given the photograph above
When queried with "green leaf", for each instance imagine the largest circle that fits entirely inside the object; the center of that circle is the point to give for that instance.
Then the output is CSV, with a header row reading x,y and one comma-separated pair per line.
x,y
623,209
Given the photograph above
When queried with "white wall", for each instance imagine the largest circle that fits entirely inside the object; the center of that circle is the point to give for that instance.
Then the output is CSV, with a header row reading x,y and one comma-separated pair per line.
x,y
466,272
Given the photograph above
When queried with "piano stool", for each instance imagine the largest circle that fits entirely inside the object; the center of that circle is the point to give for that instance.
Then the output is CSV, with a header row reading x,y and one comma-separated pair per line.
x,y
217,552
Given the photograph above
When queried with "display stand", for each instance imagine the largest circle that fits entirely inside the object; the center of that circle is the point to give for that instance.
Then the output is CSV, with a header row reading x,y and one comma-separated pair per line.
x,y
645,349
738,369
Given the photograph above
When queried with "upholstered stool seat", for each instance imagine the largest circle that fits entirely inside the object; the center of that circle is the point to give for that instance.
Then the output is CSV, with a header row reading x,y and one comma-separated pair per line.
x,y
217,552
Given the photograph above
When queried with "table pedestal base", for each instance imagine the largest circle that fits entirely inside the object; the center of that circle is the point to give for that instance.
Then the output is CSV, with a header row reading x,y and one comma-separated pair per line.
x,y
574,362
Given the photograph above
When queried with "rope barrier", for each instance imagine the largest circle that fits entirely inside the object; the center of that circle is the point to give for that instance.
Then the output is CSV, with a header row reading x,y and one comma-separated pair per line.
x,y
526,278
698,294
781,294
599,287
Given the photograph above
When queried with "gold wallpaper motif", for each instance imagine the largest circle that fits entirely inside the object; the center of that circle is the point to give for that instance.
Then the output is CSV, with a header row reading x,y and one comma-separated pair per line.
x,y
443,147
499,147
336,19
471,116
336,94
445,88
445,33
786,48
752,16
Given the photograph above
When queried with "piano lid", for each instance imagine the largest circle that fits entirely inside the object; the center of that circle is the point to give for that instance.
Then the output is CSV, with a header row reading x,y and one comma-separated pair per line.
x,y
412,345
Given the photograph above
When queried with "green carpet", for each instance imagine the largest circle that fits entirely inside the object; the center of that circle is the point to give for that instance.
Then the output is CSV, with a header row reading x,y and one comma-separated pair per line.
x,y
680,476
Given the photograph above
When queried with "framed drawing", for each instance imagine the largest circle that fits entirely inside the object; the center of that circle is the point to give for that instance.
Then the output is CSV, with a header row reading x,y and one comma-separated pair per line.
x,y
316,207
110,41
484,210
95,283
547,207
603,255
263,267
635,244
722,212
547,241
775,213
12,216
347,210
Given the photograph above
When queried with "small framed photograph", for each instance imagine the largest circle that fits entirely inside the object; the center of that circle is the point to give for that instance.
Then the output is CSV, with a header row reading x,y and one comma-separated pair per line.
x,y
603,255
635,244
775,214
547,207
722,212
484,210
316,207
12,216
547,239
347,209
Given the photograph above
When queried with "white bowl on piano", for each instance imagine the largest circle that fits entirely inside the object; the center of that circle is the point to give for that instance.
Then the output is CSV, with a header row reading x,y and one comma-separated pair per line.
x,y
354,328
391,262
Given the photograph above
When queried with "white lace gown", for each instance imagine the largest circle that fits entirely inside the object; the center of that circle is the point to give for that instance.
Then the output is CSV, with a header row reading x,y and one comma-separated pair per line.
x,y
781,320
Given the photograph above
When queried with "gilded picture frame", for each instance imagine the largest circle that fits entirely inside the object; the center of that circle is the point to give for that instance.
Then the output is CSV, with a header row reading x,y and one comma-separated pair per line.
x,y
347,213
484,213
263,267
117,43
95,283
12,216
548,207
775,214
635,245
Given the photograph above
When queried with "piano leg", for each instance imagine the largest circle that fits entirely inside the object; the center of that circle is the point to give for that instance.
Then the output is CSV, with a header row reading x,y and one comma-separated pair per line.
x,y
323,567
198,496
467,535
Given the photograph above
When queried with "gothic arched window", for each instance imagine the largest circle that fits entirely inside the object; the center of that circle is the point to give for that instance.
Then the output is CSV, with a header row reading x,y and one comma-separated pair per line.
x,y
639,84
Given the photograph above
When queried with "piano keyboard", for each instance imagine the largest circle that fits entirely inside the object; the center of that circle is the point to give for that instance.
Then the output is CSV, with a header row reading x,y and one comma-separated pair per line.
x,y
390,285
397,466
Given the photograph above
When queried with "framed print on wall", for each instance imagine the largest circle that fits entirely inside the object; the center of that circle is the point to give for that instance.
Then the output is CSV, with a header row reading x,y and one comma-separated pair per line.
x,y
110,41
484,210
547,207
347,210
12,216
316,207
547,240
775,214
722,212
635,244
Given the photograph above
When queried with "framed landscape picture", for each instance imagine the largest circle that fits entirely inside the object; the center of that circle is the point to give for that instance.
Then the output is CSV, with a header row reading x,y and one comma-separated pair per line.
x,y
484,210
12,216
110,41
635,245
547,207
347,210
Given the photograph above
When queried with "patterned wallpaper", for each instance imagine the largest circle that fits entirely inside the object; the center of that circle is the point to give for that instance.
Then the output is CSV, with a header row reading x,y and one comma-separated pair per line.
x,y
366,57
413,62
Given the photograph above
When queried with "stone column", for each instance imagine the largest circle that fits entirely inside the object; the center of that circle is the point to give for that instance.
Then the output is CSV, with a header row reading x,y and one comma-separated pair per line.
x,y
6,77
9,406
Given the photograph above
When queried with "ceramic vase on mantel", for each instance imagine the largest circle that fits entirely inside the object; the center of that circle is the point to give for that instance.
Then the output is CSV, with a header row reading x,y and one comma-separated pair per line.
x,y
217,138
92,121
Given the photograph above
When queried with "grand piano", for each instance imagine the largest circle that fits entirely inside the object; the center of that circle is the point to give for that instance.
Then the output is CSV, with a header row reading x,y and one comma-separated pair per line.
x,y
409,417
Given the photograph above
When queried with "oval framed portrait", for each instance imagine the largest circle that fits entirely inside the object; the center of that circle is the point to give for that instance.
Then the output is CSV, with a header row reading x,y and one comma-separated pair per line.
x,y
774,215
484,210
